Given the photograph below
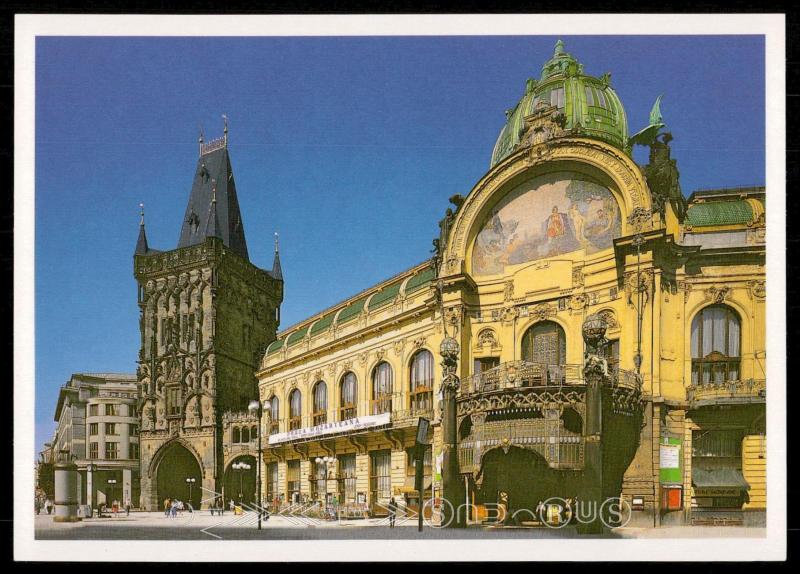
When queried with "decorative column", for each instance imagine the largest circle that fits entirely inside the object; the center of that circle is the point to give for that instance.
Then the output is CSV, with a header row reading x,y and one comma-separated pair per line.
x,y
452,486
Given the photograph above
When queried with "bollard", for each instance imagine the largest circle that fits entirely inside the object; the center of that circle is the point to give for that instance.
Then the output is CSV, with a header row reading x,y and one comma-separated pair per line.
x,y
66,487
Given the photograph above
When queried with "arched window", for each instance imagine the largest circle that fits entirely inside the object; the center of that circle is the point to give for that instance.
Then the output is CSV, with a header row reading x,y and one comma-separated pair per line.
x,y
347,403
245,434
253,432
716,342
421,380
295,409
545,346
237,437
274,411
382,389
320,414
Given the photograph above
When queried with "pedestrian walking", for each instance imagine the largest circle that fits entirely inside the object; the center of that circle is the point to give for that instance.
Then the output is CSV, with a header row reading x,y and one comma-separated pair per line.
x,y
166,506
230,504
127,508
392,512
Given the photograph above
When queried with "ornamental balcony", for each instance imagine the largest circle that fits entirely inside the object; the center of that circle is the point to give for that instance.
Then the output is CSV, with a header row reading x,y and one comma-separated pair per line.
x,y
728,392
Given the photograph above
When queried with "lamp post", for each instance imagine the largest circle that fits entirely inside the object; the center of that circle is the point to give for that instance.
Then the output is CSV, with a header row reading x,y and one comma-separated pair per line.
x,y
241,467
328,461
256,408
112,482
190,483
90,468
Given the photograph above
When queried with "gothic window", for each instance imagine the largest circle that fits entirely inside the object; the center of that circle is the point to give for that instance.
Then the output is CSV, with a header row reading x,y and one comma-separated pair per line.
x,y
381,389
421,379
274,411
347,403
173,401
236,436
253,432
295,403
245,434
545,345
320,415
715,342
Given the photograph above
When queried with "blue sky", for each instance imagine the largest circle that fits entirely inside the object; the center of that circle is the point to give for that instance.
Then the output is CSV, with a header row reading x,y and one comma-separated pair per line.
x,y
349,147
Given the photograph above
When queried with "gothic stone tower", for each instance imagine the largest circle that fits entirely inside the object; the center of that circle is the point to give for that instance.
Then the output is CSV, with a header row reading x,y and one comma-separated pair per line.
x,y
206,316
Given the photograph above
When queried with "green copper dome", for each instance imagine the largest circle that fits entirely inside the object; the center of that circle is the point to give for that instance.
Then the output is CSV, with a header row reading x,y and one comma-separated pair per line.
x,y
590,106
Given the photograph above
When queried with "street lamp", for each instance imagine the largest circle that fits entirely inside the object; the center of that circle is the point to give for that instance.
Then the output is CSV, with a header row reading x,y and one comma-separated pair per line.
x,y
257,409
328,461
190,482
241,466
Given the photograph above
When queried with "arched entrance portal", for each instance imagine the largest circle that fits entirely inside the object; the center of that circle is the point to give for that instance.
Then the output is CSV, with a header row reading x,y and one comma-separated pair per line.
x,y
521,479
240,484
176,466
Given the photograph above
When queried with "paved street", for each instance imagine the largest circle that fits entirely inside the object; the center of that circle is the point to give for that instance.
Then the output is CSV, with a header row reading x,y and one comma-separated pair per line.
x,y
203,526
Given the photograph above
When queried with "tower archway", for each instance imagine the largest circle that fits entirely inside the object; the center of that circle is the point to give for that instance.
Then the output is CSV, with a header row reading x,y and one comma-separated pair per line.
x,y
177,464
240,484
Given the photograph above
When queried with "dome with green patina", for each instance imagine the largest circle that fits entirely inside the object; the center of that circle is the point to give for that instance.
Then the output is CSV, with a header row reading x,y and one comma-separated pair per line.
x,y
590,106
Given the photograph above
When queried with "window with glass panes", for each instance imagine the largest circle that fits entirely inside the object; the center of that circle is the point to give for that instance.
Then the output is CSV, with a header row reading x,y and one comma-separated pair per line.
x,y
93,451
112,410
174,401
716,339
380,475
318,480
272,481
381,389
421,381
111,428
92,429
295,411
93,410
274,410
293,480
134,451
347,402
347,478
545,345
112,450
320,405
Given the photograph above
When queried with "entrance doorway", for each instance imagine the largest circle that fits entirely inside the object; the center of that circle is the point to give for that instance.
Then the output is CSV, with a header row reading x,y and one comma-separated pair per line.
x,y
176,466
240,480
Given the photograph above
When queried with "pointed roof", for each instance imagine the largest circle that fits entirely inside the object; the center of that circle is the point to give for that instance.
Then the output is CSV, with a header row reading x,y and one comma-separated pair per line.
x,y
276,263
141,243
206,218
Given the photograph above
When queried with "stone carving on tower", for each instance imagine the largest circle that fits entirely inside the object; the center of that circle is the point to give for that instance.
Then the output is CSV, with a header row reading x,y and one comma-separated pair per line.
x,y
206,315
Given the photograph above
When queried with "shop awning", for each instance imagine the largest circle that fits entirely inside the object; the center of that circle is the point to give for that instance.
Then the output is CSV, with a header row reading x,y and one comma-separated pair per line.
x,y
719,478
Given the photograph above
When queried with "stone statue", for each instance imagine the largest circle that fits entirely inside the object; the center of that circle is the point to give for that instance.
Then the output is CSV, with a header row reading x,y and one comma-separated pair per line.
x,y
663,178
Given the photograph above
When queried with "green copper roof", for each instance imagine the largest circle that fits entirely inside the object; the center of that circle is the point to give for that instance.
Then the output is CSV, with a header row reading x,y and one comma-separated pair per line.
x,y
419,280
386,295
351,311
297,336
591,107
275,346
322,324
719,213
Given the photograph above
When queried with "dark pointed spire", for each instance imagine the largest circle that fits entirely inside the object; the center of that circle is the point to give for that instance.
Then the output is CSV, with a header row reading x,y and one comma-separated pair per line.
x,y
141,243
276,263
214,165
212,226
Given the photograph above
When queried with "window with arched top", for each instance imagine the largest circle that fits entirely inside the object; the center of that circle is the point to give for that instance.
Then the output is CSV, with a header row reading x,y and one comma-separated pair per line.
x,y
253,432
381,388
295,409
348,396
716,345
245,434
274,412
320,403
544,345
237,436
421,381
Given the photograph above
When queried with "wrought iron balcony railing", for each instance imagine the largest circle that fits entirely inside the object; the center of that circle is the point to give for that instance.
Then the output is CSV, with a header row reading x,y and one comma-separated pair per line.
x,y
750,390
519,374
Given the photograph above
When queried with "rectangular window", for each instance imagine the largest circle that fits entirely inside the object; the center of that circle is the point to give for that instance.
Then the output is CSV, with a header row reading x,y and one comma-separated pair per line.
x,y
557,97
601,99
484,364
589,96
272,482
134,451
111,428
93,450
347,478
93,410
174,401
112,410
293,480
318,480
133,429
380,477
92,429
112,450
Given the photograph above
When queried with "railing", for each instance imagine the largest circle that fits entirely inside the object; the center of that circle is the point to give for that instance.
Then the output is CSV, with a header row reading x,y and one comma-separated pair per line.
x,y
732,391
519,374
515,374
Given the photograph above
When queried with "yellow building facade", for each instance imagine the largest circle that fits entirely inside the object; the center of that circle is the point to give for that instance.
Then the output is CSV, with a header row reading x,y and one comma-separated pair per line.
x,y
611,340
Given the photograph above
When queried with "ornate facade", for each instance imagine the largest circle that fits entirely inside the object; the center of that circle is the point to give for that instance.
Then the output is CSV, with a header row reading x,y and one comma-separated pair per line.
x,y
206,316
611,338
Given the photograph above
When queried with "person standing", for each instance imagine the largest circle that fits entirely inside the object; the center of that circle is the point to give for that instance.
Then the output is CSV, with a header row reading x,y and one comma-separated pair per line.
x,y
392,512
166,507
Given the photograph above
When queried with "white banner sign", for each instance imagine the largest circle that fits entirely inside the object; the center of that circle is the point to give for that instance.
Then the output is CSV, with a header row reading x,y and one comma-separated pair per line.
x,y
357,423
